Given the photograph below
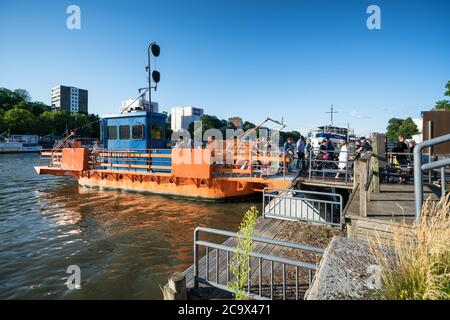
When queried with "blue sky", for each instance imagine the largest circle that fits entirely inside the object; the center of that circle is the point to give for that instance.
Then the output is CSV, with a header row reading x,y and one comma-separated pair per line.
x,y
253,59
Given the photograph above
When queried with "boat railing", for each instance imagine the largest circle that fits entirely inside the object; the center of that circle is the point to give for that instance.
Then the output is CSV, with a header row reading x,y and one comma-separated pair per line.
x,y
252,164
148,160
226,162
50,157
268,276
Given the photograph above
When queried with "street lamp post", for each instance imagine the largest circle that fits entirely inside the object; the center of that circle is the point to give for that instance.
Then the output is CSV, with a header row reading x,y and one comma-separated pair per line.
x,y
153,49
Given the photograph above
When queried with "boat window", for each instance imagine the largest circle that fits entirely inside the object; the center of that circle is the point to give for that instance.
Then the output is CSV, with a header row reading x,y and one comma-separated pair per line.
x,y
124,132
157,132
137,132
112,133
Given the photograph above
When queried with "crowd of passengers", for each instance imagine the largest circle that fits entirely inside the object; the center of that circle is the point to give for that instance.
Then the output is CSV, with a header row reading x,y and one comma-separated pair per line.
x,y
340,157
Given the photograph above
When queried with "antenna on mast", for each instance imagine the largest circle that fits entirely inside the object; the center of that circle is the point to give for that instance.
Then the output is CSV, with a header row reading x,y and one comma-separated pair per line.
x,y
332,112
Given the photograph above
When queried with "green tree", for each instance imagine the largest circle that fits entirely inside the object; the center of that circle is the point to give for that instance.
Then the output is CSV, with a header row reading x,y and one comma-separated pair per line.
x,y
3,127
208,122
442,105
23,94
248,125
9,98
408,128
20,121
392,130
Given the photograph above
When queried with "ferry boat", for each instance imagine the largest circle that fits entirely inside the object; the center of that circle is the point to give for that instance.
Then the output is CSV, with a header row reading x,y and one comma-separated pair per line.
x,y
19,144
132,156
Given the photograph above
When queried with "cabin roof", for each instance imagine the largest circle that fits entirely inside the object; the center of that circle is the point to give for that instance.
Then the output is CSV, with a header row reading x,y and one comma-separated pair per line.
x,y
133,114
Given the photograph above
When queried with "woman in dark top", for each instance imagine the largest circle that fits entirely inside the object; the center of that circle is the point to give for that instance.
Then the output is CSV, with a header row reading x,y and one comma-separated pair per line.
x,y
402,159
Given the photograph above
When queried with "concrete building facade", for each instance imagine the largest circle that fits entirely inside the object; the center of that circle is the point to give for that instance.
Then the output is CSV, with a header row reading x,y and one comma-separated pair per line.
x,y
70,99
182,117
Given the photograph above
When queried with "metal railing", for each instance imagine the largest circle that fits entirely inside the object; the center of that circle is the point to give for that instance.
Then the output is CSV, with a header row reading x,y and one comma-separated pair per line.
x,y
50,158
263,280
302,205
398,166
419,168
318,165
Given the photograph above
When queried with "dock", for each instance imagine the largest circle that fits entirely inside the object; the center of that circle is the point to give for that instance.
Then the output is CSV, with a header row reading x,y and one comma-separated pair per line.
x,y
373,209
275,229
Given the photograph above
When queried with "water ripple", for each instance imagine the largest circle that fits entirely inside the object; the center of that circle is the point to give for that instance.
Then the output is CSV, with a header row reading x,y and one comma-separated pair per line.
x,y
125,243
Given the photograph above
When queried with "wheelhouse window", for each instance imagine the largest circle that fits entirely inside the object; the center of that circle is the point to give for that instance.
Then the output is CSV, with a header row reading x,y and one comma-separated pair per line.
x,y
157,132
137,132
112,133
124,132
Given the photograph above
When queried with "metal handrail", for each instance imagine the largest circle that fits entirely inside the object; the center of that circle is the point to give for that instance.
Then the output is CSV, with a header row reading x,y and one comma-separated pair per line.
x,y
260,257
287,197
419,168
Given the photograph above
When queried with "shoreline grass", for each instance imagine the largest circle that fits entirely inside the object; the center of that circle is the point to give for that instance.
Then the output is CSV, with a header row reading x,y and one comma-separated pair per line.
x,y
417,264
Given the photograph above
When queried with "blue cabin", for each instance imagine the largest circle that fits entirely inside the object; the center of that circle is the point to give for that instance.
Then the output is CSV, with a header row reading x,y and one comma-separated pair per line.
x,y
132,131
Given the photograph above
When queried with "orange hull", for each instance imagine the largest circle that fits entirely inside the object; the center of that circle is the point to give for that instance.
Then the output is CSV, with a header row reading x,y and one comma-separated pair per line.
x,y
216,189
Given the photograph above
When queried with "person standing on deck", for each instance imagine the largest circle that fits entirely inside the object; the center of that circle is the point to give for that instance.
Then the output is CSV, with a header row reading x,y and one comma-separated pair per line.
x,y
308,148
400,150
301,144
363,146
180,143
343,157
288,149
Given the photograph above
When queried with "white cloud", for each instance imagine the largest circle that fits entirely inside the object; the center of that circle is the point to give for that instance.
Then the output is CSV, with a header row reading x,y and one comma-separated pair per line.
x,y
358,115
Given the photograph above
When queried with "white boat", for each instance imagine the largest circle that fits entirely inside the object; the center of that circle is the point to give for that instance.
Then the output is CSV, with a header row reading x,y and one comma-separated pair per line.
x,y
20,144
332,133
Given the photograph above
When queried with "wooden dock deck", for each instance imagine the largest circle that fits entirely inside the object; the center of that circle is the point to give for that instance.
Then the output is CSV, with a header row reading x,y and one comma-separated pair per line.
x,y
393,201
392,206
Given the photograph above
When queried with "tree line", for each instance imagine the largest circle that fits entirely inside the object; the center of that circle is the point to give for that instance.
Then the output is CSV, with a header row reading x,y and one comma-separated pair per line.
x,y
20,115
212,122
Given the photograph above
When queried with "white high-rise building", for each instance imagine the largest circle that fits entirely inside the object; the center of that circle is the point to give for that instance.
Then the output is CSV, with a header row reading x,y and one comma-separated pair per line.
x,y
182,117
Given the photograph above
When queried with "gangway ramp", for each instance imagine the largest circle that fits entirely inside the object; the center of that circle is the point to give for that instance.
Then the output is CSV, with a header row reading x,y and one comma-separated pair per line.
x,y
303,205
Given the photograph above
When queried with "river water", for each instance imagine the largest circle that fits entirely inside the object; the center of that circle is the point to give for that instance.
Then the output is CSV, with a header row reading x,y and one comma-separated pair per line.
x,y
125,244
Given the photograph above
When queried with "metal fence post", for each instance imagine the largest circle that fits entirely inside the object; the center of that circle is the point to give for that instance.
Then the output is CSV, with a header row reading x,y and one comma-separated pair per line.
x,y
196,258
418,181
264,203
310,161
442,181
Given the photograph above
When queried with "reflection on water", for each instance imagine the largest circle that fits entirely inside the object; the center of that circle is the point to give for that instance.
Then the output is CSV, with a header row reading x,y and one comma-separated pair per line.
x,y
125,243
